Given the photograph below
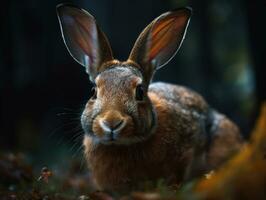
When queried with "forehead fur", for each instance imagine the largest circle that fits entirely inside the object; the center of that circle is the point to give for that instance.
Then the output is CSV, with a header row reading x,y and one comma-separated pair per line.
x,y
118,76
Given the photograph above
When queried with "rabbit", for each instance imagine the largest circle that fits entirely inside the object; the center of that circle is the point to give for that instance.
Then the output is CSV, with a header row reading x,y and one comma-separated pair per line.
x,y
136,130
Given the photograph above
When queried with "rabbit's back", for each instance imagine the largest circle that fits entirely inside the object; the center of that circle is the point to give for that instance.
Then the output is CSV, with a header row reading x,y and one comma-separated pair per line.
x,y
185,115
181,116
179,110
179,95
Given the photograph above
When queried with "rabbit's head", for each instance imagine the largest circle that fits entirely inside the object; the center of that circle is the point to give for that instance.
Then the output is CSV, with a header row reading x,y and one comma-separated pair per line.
x,y
120,111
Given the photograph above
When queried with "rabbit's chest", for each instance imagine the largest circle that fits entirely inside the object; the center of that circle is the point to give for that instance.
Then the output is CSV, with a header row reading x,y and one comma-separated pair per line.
x,y
116,168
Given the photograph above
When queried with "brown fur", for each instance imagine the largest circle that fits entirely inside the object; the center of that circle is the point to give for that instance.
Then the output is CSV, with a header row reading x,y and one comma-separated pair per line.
x,y
169,151
118,167
137,131
226,141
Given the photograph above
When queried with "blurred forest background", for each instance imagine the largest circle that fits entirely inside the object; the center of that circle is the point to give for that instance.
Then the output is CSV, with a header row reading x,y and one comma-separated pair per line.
x,y
43,90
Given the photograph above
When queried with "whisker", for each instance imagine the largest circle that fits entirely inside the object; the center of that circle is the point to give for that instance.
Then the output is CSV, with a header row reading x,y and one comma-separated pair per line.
x,y
76,138
78,150
52,133
76,142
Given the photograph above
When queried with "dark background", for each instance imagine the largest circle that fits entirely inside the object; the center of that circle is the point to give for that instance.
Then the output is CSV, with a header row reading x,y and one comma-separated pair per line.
x,y
43,90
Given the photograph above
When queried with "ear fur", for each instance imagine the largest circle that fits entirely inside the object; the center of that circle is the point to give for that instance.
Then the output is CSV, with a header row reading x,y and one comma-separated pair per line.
x,y
160,40
84,40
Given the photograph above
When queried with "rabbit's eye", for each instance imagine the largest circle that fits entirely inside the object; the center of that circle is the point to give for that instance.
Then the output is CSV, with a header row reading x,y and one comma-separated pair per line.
x,y
94,93
139,93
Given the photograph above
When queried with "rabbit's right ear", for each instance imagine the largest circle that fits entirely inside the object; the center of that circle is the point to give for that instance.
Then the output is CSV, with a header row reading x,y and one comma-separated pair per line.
x,y
84,40
160,41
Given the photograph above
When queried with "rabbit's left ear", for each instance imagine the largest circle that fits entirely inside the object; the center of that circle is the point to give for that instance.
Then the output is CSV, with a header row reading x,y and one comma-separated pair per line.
x,y
84,40
160,40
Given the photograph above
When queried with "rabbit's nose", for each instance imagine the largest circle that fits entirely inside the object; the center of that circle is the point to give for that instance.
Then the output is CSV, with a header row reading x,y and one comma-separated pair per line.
x,y
112,126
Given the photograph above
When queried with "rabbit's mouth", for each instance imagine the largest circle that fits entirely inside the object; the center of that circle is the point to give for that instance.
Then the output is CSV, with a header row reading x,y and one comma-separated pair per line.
x,y
123,132
110,139
121,141
112,135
